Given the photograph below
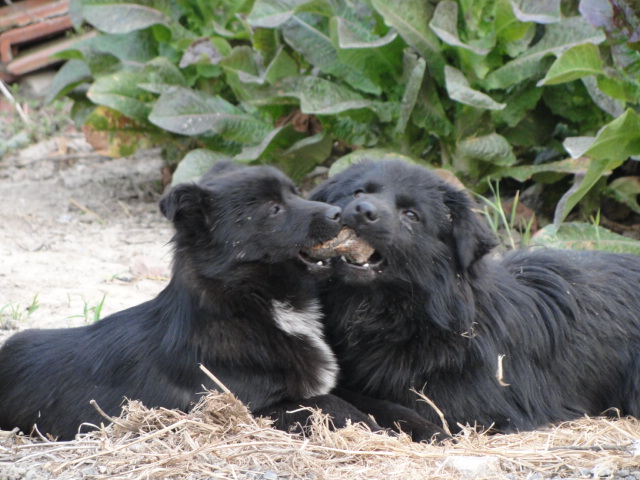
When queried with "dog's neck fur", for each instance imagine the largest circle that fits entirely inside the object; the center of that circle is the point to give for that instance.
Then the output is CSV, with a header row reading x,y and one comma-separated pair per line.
x,y
223,316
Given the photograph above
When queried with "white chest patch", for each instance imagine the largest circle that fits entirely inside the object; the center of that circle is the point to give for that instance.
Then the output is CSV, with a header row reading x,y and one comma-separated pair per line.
x,y
306,324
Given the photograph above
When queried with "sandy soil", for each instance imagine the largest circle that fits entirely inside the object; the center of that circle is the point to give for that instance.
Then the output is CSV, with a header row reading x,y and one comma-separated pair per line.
x,y
76,227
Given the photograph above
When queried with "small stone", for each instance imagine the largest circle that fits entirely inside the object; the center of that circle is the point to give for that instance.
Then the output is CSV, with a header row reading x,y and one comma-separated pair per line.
x,y
601,471
124,277
472,467
270,475
623,473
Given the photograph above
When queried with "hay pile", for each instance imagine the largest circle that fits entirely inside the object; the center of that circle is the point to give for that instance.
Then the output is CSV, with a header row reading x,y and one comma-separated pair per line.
x,y
220,439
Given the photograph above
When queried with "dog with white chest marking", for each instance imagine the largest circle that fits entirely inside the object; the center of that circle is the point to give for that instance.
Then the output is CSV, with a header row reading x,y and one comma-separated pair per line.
x,y
241,302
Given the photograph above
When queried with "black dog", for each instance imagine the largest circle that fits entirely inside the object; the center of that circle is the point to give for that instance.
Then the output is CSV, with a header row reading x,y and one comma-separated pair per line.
x,y
241,301
540,336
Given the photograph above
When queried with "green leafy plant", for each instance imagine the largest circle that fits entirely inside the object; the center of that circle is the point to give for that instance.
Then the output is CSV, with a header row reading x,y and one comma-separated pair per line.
x,y
489,88
584,236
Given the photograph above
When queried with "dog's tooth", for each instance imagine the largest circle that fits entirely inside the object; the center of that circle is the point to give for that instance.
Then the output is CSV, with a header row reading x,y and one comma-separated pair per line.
x,y
320,263
365,265
343,258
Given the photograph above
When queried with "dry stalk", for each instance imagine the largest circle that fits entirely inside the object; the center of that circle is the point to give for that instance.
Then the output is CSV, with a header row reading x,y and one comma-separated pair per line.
x,y
220,439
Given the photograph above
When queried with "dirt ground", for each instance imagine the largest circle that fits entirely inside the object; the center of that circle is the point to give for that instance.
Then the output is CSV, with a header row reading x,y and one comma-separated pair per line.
x,y
77,227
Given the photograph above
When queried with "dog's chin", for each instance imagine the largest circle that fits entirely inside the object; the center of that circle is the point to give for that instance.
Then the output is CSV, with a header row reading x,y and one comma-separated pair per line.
x,y
315,266
369,271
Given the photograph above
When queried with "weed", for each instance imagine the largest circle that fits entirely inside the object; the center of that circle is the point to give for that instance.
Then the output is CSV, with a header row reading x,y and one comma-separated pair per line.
x,y
90,314
596,223
499,222
16,314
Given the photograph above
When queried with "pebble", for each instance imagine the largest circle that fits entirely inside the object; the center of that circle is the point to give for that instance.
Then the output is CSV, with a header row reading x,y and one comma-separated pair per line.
x,y
471,467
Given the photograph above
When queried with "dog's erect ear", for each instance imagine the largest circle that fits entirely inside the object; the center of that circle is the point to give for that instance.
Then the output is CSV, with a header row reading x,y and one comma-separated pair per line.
x,y
471,235
187,203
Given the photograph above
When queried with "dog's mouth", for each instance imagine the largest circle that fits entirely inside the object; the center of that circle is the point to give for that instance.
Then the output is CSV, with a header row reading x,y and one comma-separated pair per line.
x,y
350,249
313,263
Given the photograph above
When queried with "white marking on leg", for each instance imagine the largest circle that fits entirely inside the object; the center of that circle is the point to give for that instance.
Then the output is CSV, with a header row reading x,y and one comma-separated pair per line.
x,y
306,324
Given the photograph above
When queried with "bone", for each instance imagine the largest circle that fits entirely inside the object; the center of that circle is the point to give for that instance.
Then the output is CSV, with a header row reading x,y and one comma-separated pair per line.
x,y
346,244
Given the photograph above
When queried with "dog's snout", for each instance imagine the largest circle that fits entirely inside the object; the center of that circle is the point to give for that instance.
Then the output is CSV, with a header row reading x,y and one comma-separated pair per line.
x,y
333,213
367,211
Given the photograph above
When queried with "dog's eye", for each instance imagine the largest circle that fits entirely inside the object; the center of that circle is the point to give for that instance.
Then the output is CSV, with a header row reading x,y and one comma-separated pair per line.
x,y
411,215
275,210
358,193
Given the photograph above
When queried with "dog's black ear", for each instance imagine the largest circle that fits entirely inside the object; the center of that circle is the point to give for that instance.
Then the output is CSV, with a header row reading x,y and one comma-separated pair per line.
x,y
472,237
321,192
187,204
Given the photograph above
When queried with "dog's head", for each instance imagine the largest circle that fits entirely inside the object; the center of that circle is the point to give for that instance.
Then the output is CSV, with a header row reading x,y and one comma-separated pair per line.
x,y
421,227
241,215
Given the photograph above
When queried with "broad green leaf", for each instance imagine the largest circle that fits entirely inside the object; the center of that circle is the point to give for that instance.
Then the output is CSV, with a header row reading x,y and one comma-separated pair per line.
x,y
266,42
318,50
626,190
584,236
187,112
159,74
576,146
302,157
376,58
120,91
582,184
123,17
272,13
523,173
201,51
279,138
514,35
352,35
538,11
616,141
194,164
242,61
429,113
139,46
350,131
70,75
322,97
285,91
459,90
410,18
411,94
558,38
577,62
520,100
492,148
374,154
608,104
280,67
445,25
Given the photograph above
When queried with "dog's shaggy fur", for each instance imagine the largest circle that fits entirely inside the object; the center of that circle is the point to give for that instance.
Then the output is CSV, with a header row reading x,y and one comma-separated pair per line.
x,y
539,336
241,301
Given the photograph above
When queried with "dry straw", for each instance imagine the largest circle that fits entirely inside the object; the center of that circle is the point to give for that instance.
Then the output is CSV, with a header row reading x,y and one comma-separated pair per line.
x,y
220,439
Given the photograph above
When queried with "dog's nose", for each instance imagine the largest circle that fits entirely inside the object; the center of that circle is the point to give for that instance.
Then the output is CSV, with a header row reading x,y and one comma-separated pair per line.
x,y
333,213
367,211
